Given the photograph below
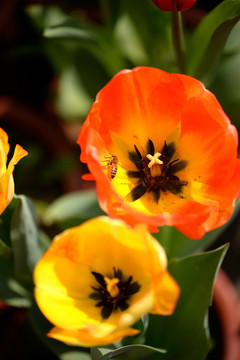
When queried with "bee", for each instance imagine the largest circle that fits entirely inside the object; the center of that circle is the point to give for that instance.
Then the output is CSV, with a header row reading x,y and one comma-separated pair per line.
x,y
112,166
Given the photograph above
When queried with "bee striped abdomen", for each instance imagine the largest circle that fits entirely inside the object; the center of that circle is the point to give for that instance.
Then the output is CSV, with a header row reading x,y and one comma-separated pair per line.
x,y
112,166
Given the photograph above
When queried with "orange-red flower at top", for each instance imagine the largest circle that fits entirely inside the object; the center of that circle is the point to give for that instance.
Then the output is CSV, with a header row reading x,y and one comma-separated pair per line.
x,y
174,5
162,152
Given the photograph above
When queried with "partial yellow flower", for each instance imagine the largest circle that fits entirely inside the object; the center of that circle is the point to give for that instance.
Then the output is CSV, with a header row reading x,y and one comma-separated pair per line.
x,y
97,279
6,177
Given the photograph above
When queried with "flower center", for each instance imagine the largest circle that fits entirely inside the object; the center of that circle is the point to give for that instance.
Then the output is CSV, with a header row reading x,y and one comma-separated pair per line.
x,y
112,287
113,293
154,159
155,169
156,172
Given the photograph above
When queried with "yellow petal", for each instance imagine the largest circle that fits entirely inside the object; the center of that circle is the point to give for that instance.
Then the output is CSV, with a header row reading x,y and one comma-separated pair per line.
x,y
63,299
4,150
174,137
6,179
19,153
83,338
167,293
197,191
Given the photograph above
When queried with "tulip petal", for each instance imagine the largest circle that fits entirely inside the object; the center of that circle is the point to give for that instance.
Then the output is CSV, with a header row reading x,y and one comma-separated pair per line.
x,y
6,177
167,293
4,150
83,338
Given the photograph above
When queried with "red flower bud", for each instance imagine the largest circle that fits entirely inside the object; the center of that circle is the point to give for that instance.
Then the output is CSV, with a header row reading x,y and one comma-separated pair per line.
x,y
174,5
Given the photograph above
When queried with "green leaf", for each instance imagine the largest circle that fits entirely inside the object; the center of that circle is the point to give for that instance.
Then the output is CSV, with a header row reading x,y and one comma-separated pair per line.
x,y
185,333
129,40
45,241
73,100
94,39
5,251
210,37
178,245
70,30
225,84
74,355
43,17
81,205
5,222
11,291
125,352
25,238
98,352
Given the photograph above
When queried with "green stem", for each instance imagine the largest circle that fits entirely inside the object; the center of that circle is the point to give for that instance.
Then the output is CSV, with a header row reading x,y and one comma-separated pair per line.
x,y
178,40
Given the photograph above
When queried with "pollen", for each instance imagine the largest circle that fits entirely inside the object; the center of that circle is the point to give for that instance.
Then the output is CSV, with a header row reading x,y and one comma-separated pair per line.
x,y
111,285
154,159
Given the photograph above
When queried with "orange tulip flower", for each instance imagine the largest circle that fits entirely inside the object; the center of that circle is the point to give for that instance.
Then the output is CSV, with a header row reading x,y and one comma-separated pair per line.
x,y
162,152
6,177
174,5
99,278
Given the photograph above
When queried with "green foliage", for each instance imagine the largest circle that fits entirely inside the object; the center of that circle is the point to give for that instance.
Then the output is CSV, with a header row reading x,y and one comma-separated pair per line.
x,y
185,333
72,208
225,83
125,37
196,275
19,252
74,355
129,33
126,352
5,251
12,291
210,37
71,30
25,237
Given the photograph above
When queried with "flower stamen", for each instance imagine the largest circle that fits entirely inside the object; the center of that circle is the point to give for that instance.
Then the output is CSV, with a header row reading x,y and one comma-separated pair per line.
x,y
113,293
156,172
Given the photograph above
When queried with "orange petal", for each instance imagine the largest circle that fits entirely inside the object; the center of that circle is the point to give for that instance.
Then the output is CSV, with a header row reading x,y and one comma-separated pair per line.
x,y
88,177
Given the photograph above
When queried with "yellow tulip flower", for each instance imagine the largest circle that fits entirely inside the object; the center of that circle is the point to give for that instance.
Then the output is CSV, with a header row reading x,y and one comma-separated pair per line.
x,y
99,278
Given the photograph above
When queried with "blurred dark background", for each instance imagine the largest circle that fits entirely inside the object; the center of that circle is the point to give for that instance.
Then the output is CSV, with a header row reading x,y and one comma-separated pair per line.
x,y
48,84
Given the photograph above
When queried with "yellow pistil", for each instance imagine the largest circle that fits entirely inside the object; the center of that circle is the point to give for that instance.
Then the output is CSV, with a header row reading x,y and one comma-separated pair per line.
x,y
154,159
154,163
112,287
